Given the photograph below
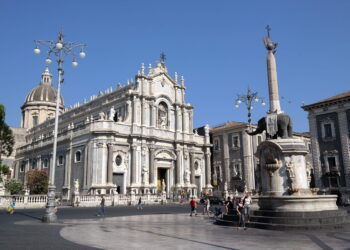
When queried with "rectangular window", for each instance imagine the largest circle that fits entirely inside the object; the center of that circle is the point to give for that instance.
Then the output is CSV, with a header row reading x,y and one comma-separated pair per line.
x,y
235,141
23,165
216,145
45,163
328,130
34,164
60,160
331,163
35,120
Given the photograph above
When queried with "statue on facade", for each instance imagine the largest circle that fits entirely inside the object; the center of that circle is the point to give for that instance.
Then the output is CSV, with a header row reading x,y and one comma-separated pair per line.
x,y
111,114
162,116
144,175
187,176
76,186
163,185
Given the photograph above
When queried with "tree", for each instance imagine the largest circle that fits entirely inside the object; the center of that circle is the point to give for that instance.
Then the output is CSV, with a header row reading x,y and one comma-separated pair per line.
x,y
6,137
37,181
14,187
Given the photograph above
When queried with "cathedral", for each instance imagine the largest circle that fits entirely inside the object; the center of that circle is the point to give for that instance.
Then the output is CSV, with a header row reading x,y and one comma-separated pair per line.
x,y
137,138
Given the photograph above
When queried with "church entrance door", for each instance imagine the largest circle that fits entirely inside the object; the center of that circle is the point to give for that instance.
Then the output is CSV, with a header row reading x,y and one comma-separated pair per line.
x,y
198,184
162,175
118,180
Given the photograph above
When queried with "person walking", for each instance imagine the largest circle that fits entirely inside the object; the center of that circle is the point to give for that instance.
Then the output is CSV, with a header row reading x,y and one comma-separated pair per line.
x,y
102,207
139,204
247,201
11,207
206,206
240,212
193,205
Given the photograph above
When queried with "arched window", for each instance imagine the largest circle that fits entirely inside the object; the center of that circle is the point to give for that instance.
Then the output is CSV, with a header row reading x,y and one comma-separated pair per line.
x,y
77,156
162,115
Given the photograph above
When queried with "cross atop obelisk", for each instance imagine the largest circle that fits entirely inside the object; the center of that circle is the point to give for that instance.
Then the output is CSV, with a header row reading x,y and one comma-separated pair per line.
x,y
272,73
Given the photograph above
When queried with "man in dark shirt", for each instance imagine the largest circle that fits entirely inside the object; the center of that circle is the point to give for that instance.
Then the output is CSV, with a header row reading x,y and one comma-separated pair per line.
x,y
102,207
229,206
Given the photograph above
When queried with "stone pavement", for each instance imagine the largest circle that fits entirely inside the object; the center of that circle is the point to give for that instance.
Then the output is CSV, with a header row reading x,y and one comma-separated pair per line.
x,y
180,231
171,228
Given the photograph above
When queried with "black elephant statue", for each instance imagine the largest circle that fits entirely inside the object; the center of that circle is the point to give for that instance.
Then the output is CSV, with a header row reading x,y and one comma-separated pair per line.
x,y
284,125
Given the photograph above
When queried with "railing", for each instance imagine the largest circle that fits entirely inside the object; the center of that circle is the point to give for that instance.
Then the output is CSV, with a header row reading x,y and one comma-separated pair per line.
x,y
24,201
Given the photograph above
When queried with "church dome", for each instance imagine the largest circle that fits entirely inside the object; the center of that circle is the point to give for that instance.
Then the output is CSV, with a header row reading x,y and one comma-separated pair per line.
x,y
44,92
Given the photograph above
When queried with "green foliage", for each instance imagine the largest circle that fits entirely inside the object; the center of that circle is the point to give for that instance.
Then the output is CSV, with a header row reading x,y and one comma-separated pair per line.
x,y
37,181
4,169
14,187
6,137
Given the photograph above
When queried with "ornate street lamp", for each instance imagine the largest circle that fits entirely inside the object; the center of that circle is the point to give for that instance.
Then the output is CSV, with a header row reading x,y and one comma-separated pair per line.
x,y
60,49
249,100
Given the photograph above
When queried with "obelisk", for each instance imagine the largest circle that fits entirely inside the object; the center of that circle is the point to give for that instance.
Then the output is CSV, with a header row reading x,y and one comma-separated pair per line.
x,y
272,73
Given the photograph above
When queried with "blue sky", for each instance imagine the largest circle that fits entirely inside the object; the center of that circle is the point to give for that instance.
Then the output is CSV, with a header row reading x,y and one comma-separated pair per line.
x,y
216,45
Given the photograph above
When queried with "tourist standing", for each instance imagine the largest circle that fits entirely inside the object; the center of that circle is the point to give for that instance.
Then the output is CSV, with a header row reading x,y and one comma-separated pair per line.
x,y
139,204
229,206
247,202
240,212
193,205
102,207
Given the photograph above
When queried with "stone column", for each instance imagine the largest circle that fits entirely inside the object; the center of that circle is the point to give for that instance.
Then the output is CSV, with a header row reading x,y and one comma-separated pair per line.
x,y
86,166
315,151
192,168
151,165
152,114
178,119
38,162
67,169
178,166
133,164
226,160
134,110
26,169
207,168
344,138
272,83
110,164
184,121
248,161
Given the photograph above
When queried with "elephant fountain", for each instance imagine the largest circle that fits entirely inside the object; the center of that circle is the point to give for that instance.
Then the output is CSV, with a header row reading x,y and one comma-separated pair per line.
x,y
284,127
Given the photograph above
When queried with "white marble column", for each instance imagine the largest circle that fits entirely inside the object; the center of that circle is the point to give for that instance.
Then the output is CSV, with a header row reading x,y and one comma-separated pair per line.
x,y
133,164
207,169
315,151
178,119
192,169
151,166
178,166
110,164
344,138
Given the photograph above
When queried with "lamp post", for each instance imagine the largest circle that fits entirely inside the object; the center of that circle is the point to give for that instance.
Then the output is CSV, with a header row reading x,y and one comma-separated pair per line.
x,y
60,49
249,100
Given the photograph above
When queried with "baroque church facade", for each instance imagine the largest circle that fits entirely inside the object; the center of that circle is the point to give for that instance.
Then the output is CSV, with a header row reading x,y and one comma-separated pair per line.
x,y
137,139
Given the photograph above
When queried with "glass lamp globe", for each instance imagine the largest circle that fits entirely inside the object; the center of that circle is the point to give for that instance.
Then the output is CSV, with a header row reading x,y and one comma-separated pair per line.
x,y
74,63
48,61
59,45
239,102
37,51
256,99
263,104
82,54
236,106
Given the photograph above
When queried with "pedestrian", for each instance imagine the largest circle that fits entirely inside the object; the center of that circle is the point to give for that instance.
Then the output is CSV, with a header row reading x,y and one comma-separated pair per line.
x,y
229,206
11,207
207,206
193,205
247,202
139,204
240,212
102,207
